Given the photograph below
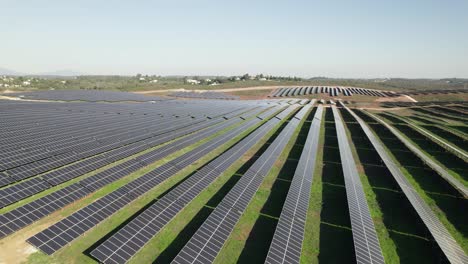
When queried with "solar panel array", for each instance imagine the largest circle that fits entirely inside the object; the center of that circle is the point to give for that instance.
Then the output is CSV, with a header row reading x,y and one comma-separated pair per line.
x,y
330,90
47,144
32,186
126,242
442,236
460,104
459,186
53,135
205,95
60,234
208,240
86,95
366,243
28,213
286,245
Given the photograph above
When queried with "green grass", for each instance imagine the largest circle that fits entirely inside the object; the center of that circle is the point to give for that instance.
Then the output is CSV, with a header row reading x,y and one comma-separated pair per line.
x,y
131,83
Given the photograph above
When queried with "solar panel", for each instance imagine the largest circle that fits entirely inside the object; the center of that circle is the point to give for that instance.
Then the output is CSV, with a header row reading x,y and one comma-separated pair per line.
x,y
287,240
366,243
442,236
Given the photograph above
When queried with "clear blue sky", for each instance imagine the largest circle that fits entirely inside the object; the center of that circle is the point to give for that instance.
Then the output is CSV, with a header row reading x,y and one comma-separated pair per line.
x,y
335,38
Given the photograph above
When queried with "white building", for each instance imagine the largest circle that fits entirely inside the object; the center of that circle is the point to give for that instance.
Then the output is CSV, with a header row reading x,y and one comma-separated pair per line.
x,y
192,81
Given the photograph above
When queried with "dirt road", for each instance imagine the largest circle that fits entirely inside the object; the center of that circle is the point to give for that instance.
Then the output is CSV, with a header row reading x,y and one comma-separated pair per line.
x,y
212,90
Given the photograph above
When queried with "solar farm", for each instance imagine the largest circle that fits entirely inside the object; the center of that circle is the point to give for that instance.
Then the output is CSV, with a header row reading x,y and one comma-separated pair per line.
x,y
330,90
117,177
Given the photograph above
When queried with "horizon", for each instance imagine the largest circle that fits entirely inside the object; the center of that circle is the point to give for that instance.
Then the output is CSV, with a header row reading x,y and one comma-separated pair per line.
x,y
50,74
67,73
337,39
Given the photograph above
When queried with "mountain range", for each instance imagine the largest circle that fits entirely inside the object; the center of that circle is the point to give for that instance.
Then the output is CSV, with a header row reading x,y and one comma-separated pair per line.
x,y
66,72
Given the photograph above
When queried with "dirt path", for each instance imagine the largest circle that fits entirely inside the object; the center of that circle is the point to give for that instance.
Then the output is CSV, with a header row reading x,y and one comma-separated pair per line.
x,y
14,248
25,100
410,98
212,90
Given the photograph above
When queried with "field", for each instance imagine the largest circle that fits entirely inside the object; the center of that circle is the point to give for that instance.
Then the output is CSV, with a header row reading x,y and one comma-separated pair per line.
x,y
232,181
144,83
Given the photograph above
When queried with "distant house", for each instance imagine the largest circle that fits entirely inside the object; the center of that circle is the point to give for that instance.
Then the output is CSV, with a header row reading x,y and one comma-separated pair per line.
x,y
153,81
63,82
262,79
192,81
26,83
237,79
142,78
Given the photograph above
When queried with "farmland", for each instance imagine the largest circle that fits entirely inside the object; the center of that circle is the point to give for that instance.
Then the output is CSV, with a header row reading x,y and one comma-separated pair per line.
x,y
252,176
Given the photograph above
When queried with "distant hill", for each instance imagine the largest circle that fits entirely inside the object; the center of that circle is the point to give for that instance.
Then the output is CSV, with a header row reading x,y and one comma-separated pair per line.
x,y
5,71
61,73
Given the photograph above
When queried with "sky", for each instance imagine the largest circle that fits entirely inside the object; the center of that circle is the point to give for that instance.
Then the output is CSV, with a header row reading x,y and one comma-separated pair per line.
x,y
333,38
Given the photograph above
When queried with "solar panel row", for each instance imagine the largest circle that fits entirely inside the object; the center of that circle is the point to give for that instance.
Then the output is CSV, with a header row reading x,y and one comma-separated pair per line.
x,y
29,187
442,236
366,242
459,186
206,243
81,151
54,131
286,245
126,242
71,227
332,91
25,215
287,112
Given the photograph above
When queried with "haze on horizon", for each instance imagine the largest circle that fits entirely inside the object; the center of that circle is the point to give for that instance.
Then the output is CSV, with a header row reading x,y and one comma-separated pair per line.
x,y
338,38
